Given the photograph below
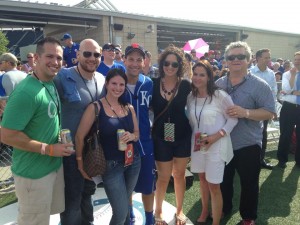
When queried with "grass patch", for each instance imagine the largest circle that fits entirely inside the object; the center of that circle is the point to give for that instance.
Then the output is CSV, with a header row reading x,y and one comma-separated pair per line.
x,y
279,197
7,199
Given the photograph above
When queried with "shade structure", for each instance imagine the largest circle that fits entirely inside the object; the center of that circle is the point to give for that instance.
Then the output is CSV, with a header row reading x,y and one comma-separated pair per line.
x,y
198,44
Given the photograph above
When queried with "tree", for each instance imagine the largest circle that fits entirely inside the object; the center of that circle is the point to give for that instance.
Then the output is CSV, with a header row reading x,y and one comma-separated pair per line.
x,y
3,43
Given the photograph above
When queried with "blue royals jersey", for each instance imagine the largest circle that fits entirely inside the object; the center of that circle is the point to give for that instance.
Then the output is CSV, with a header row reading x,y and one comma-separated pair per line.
x,y
70,55
141,101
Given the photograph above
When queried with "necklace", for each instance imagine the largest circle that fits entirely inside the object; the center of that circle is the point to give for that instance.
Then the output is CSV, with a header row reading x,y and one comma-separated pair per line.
x,y
198,118
165,90
112,109
96,86
55,100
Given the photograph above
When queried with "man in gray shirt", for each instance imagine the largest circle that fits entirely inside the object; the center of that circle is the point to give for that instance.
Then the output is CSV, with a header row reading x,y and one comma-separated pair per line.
x,y
254,103
12,77
78,86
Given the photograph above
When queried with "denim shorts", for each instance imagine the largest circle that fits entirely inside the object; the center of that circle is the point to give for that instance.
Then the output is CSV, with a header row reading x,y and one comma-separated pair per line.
x,y
165,151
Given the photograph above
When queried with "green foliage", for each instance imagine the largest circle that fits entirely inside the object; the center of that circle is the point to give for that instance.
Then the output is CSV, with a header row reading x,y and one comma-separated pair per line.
x,y
3,43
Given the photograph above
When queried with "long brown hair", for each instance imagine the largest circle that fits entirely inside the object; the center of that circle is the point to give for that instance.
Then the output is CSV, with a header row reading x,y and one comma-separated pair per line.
x,y
211,86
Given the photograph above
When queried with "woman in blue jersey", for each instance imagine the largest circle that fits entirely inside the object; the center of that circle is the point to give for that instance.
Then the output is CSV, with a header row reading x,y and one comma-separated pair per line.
x,y
121,170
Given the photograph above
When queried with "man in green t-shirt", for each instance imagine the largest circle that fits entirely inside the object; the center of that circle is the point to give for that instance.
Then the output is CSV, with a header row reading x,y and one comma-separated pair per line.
x,y
31,124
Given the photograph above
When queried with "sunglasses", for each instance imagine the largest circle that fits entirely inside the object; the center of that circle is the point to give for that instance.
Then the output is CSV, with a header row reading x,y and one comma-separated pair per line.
x,y
29,57
233,57
173,64
87,54
109,50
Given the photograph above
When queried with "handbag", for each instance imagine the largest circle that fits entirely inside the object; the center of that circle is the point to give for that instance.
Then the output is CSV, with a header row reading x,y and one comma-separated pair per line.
x,y
94,162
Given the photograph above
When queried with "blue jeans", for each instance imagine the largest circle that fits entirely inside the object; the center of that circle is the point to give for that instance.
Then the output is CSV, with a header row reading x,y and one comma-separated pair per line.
x,y
78,195
117,180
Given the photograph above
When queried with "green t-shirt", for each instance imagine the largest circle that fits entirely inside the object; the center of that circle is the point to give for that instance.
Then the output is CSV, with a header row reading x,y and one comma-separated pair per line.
x,y
32,109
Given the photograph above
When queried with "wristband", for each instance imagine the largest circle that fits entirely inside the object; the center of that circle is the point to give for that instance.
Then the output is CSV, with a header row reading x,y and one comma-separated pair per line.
x,y
247,113
222,133
51,150
43,148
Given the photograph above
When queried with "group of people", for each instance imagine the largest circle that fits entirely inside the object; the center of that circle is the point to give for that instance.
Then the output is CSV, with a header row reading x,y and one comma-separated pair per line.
x,y
215,124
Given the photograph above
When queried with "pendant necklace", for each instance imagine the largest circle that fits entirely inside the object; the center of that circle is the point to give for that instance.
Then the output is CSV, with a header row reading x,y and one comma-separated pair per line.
x,y
164,88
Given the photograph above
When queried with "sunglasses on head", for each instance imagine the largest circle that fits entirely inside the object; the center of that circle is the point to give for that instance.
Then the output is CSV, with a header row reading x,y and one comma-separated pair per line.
x,y
87,54
233,57
109,50
173,64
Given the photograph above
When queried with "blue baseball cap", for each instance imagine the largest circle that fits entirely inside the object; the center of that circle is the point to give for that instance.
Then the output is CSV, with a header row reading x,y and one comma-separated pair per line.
x,y
66,36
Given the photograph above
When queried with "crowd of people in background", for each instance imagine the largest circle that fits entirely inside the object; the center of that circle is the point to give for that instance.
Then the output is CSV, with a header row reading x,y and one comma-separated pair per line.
x,y
211,111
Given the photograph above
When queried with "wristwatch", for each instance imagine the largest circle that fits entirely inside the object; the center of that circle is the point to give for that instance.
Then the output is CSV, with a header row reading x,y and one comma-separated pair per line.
x,y
43,149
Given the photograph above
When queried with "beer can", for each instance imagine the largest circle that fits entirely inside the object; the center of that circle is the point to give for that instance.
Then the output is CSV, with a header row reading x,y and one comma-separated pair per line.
x,y
203,135
121,145
66,138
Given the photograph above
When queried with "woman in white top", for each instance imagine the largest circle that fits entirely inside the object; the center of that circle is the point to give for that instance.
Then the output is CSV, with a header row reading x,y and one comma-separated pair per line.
x,y
206,108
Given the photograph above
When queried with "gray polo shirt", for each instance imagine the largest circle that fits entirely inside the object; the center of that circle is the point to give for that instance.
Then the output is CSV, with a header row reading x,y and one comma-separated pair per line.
x,y
252,93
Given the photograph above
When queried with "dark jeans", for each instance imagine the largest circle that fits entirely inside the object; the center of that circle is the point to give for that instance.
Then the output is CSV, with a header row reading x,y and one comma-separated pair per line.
x,y
289,118
78,195
264,140
119,182
246,161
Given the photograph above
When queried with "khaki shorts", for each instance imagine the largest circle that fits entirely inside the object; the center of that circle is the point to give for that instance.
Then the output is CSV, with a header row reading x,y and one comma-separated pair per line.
x,y
40,198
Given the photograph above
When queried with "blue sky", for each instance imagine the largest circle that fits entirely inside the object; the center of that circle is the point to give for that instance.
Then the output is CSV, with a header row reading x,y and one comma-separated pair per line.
x,y
256,13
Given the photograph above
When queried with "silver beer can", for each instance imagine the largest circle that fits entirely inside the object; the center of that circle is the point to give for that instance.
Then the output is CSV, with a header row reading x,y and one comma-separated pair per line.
x,y
66,138
121,145
203,135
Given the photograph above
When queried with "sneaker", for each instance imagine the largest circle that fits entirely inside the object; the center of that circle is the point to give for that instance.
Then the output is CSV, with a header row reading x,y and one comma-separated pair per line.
x,y
248,222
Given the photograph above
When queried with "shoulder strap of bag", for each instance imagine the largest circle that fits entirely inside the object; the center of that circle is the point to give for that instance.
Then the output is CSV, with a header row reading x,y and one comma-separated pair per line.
x,y
167,106
96,115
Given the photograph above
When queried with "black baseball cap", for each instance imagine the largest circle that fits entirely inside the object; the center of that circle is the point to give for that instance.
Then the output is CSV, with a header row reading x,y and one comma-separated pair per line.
x,y
134,47
108,46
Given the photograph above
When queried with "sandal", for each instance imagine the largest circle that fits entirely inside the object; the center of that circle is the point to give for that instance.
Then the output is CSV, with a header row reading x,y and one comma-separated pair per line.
x,y
160,221
180,220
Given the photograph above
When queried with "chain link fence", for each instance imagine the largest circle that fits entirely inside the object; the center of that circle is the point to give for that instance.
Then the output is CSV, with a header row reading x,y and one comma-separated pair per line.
x,y
7,186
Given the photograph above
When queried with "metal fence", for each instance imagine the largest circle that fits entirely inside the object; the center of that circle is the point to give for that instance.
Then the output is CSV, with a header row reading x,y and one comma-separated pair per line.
x,y
7,187
6,179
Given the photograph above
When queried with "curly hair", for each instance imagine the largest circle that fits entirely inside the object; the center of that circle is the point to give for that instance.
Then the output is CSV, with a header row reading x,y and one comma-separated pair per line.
x,y
179,53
